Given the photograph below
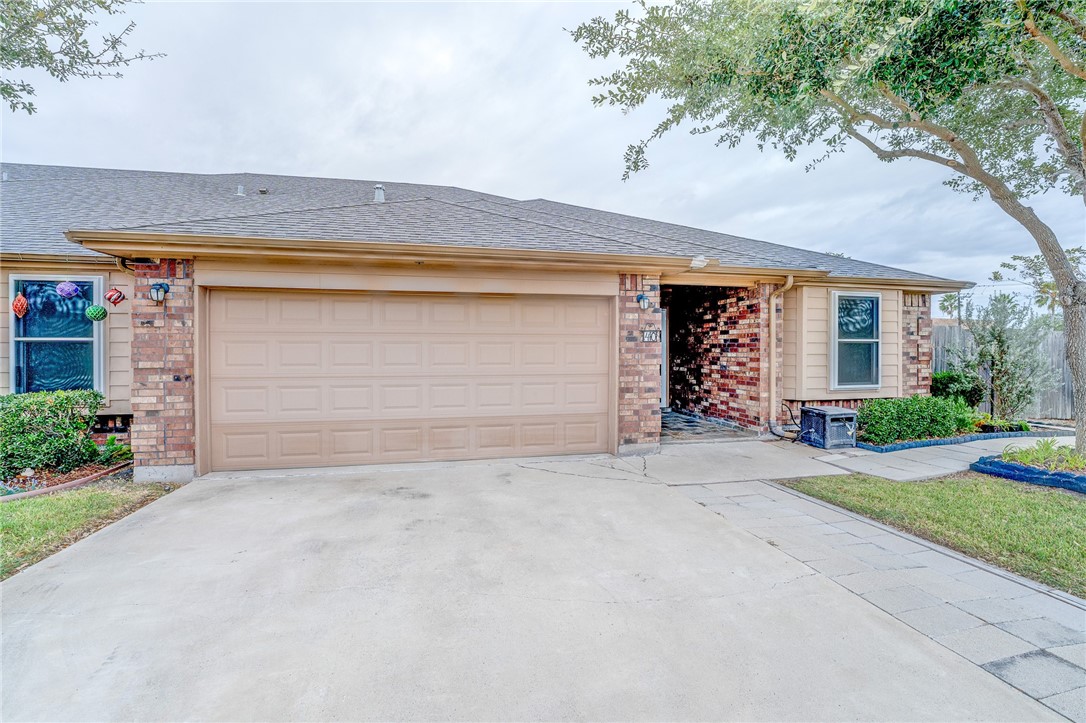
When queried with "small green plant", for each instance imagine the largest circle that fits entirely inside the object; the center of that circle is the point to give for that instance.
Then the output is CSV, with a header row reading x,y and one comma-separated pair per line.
x,y
113,452
958,383
1047,454
47,431
987,423
885,421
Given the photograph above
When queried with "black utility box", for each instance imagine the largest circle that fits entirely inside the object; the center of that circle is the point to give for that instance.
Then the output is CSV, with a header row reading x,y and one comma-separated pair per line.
x,y
828,427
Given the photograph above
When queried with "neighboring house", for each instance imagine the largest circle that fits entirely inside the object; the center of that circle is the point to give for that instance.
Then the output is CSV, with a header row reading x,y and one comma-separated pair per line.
x,y
314,321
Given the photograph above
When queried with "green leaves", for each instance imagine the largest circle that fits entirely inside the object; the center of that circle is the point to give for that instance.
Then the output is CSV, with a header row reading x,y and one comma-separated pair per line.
x,y
885,421
909,74
47,430
53,36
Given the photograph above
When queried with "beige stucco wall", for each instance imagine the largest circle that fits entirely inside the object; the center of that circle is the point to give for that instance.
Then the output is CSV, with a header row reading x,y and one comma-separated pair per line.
x,y
807,337
116,343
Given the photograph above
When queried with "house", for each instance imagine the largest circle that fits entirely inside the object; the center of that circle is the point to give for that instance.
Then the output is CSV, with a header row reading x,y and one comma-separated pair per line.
x,y
310,321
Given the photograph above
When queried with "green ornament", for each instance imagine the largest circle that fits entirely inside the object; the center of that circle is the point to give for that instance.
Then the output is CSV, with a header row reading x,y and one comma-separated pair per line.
x,y
96,312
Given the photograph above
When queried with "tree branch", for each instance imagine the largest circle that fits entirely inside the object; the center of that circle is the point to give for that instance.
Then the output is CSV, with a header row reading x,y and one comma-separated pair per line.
x,y
886,154
1065,62
1054,122
854,115
1068,17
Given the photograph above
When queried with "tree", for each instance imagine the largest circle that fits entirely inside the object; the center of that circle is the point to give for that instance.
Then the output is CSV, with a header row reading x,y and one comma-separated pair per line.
x,y
992,91
1007,343
1033,270
52,35
951,304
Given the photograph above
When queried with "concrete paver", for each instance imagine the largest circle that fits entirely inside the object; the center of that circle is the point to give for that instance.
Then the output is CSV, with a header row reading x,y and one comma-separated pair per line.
x,y
922,462
941,620
1071,704
985,643
1038,673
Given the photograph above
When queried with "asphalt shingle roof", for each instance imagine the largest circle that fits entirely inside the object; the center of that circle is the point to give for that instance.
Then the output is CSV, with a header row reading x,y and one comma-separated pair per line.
x,y
39,203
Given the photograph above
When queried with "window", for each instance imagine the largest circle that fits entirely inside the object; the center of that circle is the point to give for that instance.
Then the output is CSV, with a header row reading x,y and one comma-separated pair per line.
x,y
856,322
55,346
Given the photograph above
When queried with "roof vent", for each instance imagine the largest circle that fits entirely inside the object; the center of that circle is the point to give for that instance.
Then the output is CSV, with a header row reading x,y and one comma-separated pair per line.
x,y
241,191
5,176
262,191
379,193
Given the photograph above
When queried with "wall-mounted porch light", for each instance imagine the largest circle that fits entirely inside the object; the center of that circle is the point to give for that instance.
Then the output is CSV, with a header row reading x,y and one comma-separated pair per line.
x,y
644,301
158,292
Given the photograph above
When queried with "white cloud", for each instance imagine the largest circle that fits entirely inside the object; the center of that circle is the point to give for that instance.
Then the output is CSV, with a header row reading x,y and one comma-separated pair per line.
x,y
485,96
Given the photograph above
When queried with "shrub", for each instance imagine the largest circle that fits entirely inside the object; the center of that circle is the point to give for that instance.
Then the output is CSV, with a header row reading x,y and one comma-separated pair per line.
x,y
47,430
958,383
1047,454
885,421
113,452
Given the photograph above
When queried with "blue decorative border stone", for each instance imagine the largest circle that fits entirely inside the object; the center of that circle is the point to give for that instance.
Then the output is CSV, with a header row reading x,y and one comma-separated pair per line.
x,y
897,447
994,465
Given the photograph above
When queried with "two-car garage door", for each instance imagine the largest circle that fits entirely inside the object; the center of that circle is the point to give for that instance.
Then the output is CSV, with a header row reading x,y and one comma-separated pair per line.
x,y
311,379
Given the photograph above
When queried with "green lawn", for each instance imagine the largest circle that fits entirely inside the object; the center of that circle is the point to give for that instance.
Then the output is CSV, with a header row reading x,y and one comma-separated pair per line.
x,y
1037,532
34,528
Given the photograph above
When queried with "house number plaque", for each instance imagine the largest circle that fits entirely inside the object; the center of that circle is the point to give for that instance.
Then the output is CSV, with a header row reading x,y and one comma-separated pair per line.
x,y
650,335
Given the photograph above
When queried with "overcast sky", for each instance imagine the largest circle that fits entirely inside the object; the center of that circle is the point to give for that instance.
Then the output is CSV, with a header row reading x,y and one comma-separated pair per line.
x,y
491,97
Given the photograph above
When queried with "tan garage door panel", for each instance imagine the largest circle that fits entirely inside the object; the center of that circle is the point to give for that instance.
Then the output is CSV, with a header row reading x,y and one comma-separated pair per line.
x,y
299,379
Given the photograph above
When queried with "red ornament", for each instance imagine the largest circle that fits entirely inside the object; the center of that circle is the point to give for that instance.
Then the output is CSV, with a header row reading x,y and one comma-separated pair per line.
x,y
115,296
20,305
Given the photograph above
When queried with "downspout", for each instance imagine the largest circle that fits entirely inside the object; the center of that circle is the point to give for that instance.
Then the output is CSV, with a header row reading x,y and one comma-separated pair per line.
x,y
773,426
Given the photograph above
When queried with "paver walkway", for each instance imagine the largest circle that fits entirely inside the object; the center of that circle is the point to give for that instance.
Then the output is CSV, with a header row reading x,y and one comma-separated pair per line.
x,y
923,462
678,427
1030,636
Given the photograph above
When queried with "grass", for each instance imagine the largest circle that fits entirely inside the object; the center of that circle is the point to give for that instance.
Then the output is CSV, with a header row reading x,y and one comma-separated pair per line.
x,y
34,528
1033,531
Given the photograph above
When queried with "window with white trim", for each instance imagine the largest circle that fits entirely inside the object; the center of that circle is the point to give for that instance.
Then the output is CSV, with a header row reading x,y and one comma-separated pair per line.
x,y
856,340
54,345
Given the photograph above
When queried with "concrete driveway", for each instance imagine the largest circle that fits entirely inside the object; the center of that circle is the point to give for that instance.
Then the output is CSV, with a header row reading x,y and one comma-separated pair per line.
x,y
516,591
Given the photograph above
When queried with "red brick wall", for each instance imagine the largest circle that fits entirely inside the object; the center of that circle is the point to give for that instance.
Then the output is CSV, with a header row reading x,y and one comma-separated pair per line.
x,y
164,427
916,344
719,350
639,362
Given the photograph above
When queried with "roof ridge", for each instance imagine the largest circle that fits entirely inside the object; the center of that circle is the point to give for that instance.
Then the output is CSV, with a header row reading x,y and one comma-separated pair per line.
x,y
740,238
269,213
706,246
145,172
545,225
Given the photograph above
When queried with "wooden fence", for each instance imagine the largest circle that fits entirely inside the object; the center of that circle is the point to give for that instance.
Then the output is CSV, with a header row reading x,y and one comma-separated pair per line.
x,y
1056,403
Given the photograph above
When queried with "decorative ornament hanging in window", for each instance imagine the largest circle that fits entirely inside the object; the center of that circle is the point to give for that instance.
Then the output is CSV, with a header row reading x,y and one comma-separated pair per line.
x,y
67,290
96,312
115,296
20,305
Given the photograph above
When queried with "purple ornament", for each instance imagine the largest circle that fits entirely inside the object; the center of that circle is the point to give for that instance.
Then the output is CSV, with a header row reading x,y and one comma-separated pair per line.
x,y
67,289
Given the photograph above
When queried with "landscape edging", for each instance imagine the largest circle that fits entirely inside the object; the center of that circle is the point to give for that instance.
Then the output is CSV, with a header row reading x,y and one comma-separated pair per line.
x,y
66,486
995,465
898,446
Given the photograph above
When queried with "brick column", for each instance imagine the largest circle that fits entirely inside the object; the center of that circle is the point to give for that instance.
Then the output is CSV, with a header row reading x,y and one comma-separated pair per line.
x,y
164,424
638,366
916,344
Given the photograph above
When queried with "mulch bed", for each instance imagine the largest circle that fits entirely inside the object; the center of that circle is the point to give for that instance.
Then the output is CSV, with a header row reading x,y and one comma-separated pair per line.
x,y
51,478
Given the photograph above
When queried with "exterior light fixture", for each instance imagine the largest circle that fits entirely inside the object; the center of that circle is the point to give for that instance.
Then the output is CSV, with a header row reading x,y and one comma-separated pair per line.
x,y
644,301
698,262
158,292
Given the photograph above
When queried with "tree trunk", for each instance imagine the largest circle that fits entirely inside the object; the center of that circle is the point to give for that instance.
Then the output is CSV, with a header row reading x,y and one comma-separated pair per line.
x,y
1072,294
1074,325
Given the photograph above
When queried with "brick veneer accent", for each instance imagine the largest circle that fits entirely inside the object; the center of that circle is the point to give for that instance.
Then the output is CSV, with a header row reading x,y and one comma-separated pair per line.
x,y
916,344
164,426
639,362
719,350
